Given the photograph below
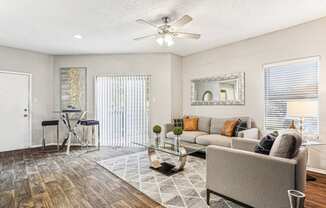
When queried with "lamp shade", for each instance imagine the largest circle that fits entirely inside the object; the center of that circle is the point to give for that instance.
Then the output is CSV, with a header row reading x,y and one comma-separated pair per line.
x,y
302,108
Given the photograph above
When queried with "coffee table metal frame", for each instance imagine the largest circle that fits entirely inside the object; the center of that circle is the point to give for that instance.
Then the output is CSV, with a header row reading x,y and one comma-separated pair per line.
x,y
164,167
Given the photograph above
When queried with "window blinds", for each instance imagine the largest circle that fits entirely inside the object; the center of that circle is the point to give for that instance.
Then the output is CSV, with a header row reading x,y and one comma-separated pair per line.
x,y
122,107
291,81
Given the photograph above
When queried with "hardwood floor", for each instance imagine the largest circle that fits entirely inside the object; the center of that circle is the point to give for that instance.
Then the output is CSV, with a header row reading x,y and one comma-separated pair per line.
x,y
37,179
33,178
316,192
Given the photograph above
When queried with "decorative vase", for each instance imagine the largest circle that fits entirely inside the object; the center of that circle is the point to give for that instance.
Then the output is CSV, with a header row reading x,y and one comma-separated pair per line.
x,y
178,143
157,140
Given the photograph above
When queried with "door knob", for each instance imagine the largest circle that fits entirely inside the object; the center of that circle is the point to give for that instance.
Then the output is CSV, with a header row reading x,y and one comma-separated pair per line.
x,y
25,110
25,115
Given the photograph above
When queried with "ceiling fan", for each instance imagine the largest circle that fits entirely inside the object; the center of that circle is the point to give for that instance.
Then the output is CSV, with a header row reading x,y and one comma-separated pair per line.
x,y
168,31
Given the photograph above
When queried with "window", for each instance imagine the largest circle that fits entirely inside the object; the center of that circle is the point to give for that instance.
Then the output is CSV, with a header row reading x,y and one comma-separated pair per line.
x,y
291,82
122,107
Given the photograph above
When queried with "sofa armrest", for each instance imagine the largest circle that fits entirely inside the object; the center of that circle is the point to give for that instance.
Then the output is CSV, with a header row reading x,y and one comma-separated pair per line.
x,y
167,128
254,179
244,144
252,133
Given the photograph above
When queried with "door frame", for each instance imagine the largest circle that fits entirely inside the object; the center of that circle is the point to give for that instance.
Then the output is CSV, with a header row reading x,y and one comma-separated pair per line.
x,y
29,75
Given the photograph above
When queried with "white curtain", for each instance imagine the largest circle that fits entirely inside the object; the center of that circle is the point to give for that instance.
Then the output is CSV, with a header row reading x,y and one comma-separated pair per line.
x,y
122,107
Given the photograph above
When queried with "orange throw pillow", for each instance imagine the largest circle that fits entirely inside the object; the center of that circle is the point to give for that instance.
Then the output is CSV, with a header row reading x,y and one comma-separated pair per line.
x,y
229,126
190,123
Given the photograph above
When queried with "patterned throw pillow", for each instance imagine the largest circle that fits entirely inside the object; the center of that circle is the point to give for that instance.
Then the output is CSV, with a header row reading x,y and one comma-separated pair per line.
x,y
266,143
242,125
178,122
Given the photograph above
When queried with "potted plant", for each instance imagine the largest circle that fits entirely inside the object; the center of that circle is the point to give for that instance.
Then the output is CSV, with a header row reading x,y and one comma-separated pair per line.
x,y
157,131
177,131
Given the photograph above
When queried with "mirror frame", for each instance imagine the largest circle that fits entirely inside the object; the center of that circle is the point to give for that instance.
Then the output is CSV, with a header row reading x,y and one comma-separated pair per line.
x,y
225,77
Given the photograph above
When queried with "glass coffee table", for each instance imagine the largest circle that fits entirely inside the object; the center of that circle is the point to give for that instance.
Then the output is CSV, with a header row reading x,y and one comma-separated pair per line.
x,y
165,167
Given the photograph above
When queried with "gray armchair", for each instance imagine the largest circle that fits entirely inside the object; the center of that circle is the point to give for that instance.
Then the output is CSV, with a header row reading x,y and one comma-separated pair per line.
x,y
253,179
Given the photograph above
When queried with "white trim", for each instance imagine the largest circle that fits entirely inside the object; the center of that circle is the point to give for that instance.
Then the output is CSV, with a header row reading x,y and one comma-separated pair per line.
x,y
29,75
291,61
317,170
51,144
265,66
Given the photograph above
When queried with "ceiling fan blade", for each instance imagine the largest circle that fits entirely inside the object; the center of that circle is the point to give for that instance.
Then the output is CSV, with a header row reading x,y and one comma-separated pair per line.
x,y
144,37
141,21
182,21
186,35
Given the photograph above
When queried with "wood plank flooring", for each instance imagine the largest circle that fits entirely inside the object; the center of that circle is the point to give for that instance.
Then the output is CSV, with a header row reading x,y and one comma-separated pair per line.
x,y
33,178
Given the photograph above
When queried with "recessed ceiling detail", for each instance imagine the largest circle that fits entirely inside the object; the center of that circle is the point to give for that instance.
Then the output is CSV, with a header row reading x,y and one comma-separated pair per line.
x,y
49,26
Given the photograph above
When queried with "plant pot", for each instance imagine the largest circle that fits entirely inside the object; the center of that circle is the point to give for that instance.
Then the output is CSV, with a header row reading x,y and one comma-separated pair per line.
x,y
157,140
178,143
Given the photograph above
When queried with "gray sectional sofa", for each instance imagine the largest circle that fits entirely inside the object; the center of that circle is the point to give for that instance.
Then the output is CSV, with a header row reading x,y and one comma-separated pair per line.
x,y
209,132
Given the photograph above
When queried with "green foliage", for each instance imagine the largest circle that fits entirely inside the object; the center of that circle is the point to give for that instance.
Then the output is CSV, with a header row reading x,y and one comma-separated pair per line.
x,y
177,131
157,129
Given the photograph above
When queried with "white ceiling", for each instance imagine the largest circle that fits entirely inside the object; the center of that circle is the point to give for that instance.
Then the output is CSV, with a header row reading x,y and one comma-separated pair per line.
x,y
109,26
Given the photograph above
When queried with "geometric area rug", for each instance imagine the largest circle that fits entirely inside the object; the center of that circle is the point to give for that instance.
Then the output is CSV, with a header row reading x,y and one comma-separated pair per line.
x,y
185,189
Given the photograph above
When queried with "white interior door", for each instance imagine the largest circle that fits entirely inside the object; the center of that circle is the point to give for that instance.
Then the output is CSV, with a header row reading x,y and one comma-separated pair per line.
x,y
14,111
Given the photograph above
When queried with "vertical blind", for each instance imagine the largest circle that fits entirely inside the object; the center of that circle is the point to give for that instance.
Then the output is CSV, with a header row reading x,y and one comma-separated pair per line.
x,y
122,107
291,81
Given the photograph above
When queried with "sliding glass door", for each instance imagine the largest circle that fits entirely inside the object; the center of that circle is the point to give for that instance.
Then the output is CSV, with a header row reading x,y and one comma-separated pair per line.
x,y
122,107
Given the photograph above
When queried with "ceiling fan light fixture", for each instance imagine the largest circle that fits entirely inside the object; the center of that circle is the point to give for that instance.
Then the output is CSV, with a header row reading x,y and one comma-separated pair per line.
x,y
168,38
166,33
170,42
160,41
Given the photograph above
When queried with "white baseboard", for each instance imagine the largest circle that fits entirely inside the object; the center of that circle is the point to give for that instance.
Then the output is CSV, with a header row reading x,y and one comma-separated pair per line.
x,y
317,170
52,144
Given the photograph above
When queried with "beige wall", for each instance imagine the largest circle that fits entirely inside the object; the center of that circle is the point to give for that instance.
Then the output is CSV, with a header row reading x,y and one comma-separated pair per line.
x,y
248,56
40,66
176,89
159,66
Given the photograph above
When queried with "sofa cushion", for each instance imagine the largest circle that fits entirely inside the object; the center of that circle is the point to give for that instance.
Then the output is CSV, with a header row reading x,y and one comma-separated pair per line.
x,y
286,145
204,124
214,139
217,124
187,136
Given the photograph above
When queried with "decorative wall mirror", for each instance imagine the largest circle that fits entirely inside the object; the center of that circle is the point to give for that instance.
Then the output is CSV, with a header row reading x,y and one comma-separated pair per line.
x,y
227,89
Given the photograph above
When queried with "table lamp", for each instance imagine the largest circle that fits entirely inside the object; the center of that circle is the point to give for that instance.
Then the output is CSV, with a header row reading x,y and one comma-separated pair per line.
x,y
301,109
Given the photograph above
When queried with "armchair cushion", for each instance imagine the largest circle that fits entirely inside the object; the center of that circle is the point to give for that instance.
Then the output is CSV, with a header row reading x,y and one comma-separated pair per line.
x,y
286,145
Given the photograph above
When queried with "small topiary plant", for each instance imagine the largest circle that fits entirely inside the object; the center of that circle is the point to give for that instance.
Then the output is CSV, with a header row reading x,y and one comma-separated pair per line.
x,y
157,129
177,131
